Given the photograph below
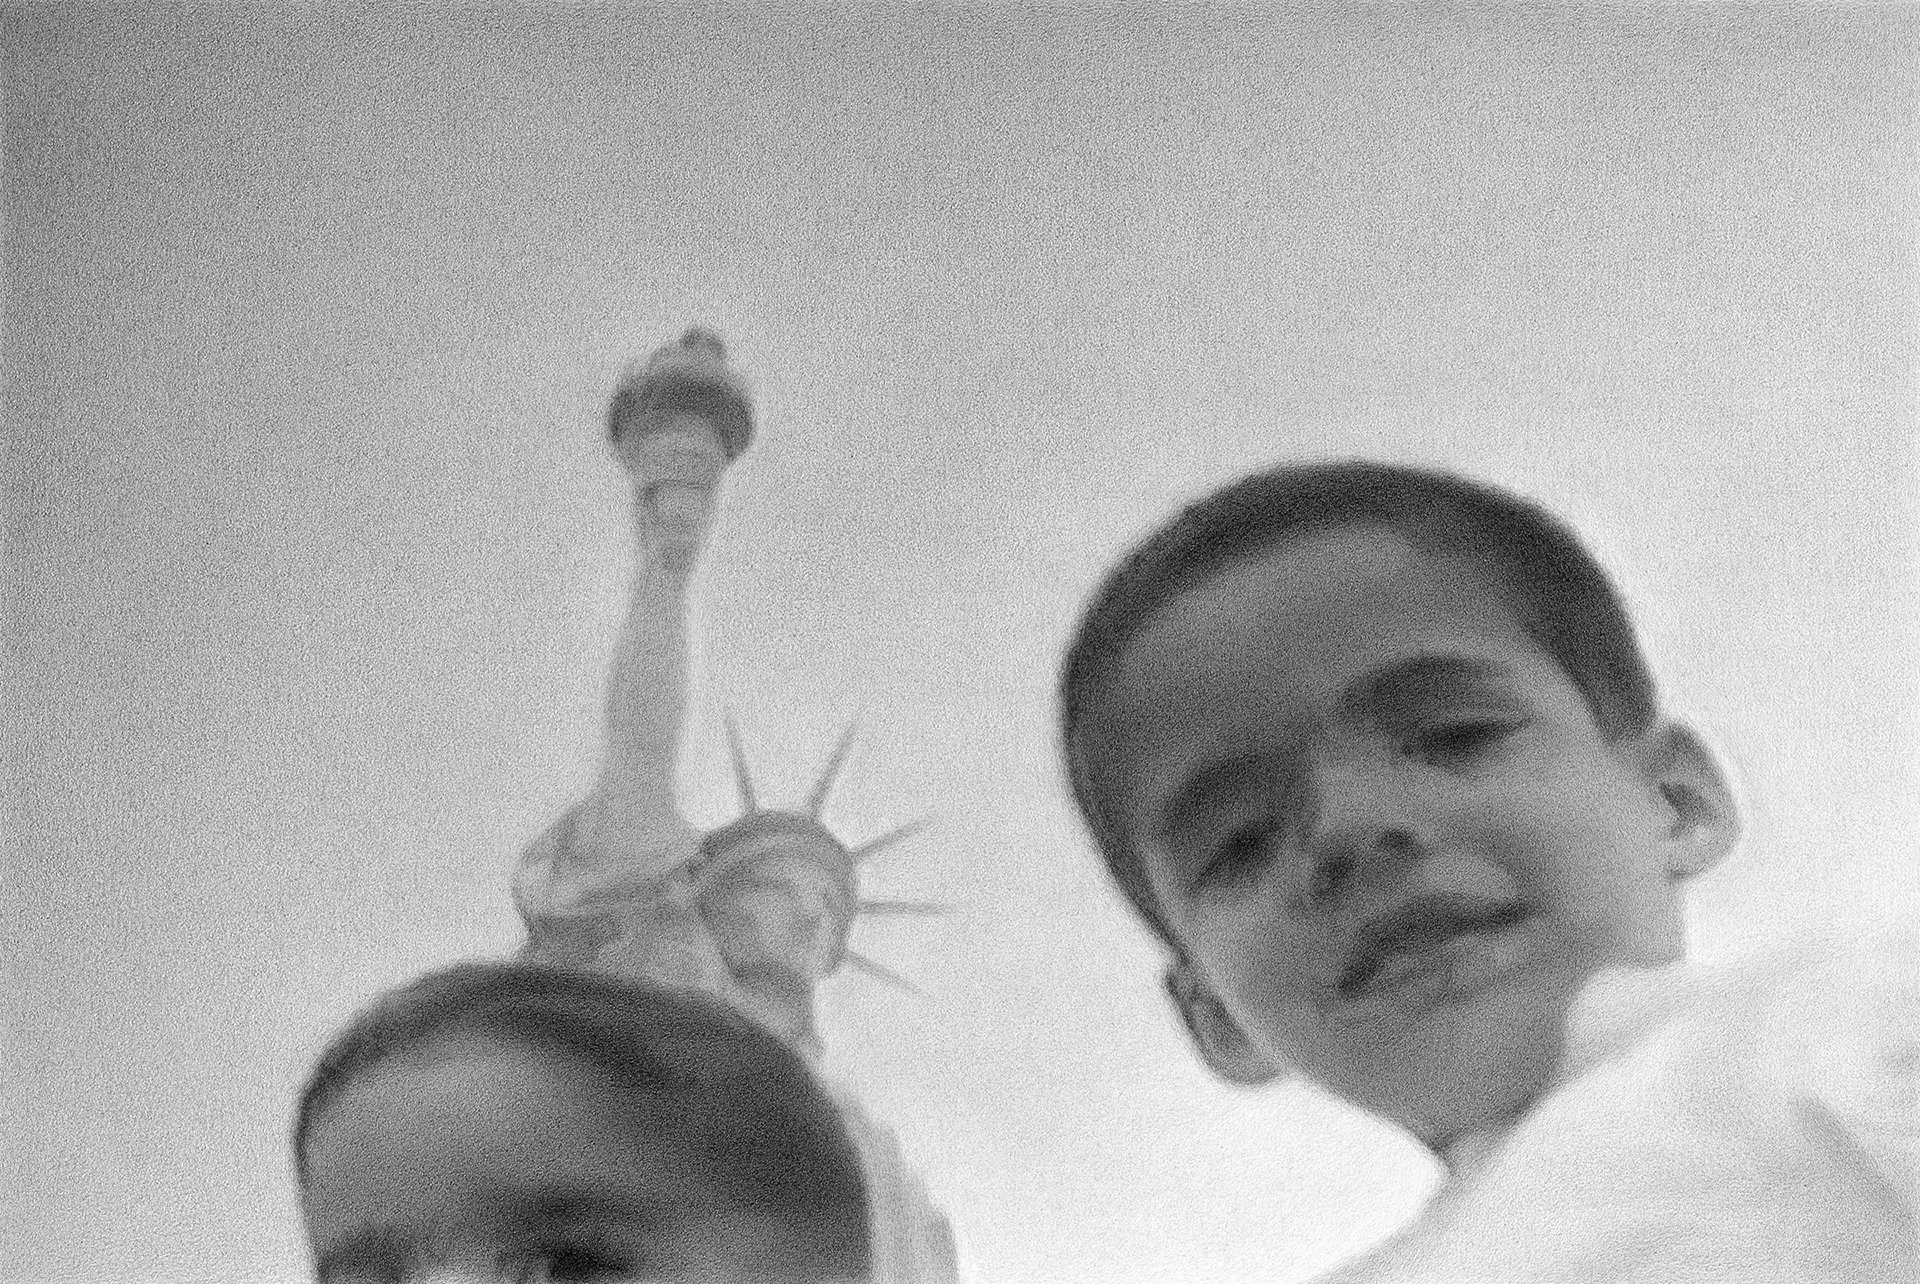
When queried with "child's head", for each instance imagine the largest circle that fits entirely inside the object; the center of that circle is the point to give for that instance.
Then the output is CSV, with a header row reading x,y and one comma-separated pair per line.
x,y
1375,752
505,1122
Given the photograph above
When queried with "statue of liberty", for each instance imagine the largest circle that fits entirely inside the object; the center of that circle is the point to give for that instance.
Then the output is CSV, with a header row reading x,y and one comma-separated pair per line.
x,y
756,911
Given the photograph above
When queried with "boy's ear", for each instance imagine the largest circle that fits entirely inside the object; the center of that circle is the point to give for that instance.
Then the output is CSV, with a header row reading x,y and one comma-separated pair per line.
x,y
1223,1045
1703,818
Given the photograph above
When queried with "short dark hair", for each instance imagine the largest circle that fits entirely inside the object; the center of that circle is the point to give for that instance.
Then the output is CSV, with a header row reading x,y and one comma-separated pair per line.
x,y
744,1104
1557,591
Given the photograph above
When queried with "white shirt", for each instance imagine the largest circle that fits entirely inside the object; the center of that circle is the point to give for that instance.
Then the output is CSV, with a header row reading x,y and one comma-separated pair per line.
x,y
1753,1124
912,1239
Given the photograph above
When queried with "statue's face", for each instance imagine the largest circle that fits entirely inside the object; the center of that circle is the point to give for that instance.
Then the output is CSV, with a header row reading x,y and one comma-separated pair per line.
x,y
676,460
782,901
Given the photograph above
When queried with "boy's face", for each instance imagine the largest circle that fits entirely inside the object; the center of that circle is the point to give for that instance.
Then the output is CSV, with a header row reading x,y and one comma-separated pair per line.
x,y
1383,825
482,1160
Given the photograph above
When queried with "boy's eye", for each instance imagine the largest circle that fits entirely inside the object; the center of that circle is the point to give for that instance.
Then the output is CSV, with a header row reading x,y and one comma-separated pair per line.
x,y
1456,740
577,1264
1241,852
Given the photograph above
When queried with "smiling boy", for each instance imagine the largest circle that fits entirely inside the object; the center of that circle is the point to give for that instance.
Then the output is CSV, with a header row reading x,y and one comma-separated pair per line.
x,y
1376,754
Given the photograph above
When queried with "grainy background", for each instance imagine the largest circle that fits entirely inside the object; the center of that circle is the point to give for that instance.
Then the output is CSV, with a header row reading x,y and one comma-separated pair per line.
x,y
315,553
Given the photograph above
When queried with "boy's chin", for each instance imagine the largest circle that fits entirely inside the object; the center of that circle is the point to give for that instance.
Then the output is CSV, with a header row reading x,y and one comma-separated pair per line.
x,y
1477,1073
1456,1112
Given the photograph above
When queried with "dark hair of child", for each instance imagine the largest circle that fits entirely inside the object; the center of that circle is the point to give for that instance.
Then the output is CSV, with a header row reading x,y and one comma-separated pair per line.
x,y
745,1106
1557,592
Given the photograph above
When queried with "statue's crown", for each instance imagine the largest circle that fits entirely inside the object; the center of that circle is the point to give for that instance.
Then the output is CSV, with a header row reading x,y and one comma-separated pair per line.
x,y
757,832
743,838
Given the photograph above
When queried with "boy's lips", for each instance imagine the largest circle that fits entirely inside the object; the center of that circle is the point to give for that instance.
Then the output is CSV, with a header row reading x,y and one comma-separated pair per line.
x,y
1419,937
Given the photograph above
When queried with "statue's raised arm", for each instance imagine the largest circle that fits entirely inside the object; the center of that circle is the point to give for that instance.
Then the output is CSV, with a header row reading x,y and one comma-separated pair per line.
x,y
676,421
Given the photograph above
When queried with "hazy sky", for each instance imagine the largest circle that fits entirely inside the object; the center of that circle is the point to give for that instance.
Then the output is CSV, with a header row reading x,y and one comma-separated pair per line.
x,y
316,552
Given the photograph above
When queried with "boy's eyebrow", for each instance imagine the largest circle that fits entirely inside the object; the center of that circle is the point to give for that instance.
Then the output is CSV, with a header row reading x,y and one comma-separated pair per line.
x,y
1405,685
383,1249
556,1205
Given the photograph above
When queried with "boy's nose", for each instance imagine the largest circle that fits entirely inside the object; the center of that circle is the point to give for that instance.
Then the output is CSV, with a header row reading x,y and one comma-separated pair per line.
x,y
1360,830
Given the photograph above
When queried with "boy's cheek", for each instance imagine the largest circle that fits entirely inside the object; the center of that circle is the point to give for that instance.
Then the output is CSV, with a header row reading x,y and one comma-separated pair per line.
x,y
1273,993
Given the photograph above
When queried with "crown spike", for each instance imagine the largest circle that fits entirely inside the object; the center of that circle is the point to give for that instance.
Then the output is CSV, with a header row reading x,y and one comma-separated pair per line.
x,y
904,907
742,777
861,963
817,799
896,835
